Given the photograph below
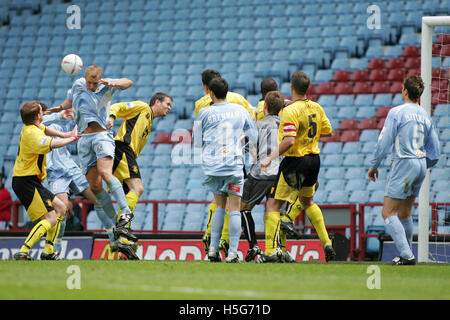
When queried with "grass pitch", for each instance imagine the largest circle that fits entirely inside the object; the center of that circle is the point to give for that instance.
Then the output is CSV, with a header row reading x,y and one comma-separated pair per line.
x,y
202,280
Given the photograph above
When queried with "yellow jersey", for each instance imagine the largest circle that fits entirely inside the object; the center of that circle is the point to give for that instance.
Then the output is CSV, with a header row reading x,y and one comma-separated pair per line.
x,y
232,97
260,110
306,121
31,156
137,124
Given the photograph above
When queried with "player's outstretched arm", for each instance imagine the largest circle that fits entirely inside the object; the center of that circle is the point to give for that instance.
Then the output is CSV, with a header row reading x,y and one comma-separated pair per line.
x,y
67,104
122,83
67,137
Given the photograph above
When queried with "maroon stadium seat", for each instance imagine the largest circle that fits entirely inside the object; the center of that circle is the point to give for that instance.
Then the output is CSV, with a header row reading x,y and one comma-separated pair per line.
x,y
362,87
325,88
376,63
350,135
360,75
443,39
396,87
343,88
412,63
348,124
411,51
396,74
368,123
395,63
380,87
341,75
382,112
377,75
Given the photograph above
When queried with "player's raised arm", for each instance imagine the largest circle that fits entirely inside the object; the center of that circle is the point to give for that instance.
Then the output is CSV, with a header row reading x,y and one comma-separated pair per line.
x,y
122,83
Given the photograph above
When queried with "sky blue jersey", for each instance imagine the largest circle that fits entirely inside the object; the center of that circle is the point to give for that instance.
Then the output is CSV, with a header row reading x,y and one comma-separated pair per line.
x,y
409,133
89,106
218,130
59,160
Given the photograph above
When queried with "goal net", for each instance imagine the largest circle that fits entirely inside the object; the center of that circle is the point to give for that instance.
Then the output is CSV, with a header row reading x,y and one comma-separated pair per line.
x,y
434,200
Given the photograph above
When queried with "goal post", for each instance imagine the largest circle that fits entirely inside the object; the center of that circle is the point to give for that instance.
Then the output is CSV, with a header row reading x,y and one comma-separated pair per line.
x,y
428,25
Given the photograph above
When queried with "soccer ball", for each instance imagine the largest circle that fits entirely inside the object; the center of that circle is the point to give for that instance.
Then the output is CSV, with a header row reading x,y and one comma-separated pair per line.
x,y
72,64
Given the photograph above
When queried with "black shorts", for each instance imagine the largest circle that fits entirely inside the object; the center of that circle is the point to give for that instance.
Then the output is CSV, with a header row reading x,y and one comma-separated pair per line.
x,y
255,190
125,164
36,199
295,174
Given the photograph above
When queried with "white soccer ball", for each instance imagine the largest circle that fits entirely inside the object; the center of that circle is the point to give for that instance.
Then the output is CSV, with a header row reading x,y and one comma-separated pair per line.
x,y
72,64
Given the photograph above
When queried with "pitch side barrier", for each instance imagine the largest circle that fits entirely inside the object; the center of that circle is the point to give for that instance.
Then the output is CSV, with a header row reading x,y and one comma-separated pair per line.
x,y
340,220
434,234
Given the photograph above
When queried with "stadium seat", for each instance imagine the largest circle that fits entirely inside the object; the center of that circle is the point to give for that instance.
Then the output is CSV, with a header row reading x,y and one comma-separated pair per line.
x,y
368,123
332,147
348,124
363,100
338,197
383,99
365,112
358,196
350,135
351,147
352,160
369,135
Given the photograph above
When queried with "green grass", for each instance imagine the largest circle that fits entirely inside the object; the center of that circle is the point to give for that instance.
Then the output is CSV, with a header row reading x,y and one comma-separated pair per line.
x,y
175,280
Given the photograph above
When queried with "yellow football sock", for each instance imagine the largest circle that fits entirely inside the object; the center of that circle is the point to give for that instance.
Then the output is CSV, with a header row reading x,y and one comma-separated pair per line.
x,y
272,225
283,240
225,234
132,200
212,208
316,217
52,233
35,235
294,211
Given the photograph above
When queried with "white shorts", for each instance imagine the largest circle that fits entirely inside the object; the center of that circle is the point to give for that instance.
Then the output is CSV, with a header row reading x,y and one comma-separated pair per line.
x,y
94,146
75,182
405,178
224,185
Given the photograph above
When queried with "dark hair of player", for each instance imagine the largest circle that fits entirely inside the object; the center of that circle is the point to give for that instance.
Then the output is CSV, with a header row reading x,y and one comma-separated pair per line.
x,y
275,102
414,85
300,82
159,96
219,86
208,75
268,84
29,111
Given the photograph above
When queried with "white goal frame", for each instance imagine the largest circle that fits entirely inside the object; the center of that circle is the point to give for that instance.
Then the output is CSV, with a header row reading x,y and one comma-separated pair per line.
x,y
428,24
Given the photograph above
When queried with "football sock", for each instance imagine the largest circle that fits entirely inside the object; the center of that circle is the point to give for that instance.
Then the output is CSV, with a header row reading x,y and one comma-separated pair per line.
x,y
106,205
234,230
57,244
248,225
272,225
52,233
225,233
132,200
35,235
116,189
408,226
397,232
316,217
104,218
216,226
294,211
282,240
212,208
